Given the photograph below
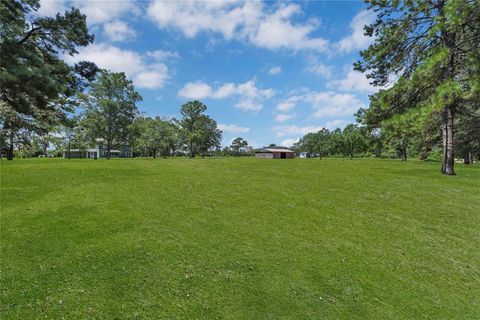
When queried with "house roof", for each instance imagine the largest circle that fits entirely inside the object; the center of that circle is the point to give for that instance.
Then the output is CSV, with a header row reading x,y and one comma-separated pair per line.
x,y
271,150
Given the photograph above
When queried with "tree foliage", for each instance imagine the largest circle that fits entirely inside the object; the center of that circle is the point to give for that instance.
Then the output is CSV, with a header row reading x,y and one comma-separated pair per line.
x,y
35,83
350,142
33,75
430,47
199,131
110,108
155,135
238,146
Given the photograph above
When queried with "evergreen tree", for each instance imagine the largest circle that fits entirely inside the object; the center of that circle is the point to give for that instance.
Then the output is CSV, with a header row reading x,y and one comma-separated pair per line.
x,y
431,46
34,81
190,124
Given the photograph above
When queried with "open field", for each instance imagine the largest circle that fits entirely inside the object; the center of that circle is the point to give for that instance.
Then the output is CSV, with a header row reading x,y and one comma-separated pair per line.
x,y
238,239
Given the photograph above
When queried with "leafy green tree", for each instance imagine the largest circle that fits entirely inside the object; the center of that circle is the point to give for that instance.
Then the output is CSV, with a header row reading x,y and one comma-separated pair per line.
x,y
210,137
191,124
352,141
315,143
322,143
155,135
80,139
238,145
430,46
110,108
46,132
13,125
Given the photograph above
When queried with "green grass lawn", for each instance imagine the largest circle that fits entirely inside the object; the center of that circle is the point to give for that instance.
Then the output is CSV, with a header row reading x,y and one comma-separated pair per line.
x,y
238,239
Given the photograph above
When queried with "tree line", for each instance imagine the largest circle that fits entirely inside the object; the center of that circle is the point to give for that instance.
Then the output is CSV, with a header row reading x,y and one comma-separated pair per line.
x,y
425,59
390,140
109,112
45,101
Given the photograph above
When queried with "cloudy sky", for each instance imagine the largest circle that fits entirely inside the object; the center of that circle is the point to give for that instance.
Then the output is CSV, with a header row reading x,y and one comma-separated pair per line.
x,y
269,72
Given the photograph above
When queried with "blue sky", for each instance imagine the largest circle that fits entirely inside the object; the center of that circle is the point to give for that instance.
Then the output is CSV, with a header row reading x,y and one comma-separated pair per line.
x,y
268,71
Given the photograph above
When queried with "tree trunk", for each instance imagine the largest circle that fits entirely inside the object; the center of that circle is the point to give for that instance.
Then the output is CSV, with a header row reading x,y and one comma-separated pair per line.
x,y
10,151
467,157
448,160
10,146
192,154
154,153
109,147
404,152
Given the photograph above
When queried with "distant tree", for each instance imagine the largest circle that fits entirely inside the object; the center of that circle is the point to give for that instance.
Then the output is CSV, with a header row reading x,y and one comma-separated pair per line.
x,y
80,139
73,135
353,141
238,144
190,124
322,143
110,108
314,142
210,137
169,138
12,127
46,132
467,133
154,135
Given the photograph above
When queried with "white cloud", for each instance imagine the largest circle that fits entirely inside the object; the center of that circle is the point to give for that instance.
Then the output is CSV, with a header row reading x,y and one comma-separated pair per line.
x,y
134,65
192,17
320,69
283,117
357,40
276,31
161,55
108,13
51,7
250,95
154,77
195,90
289,142
275,70
249,90
249,105
289,130
354,81
118,31
331,104
333,124
225,91
325,103
99,12
233,128
250,21
288,104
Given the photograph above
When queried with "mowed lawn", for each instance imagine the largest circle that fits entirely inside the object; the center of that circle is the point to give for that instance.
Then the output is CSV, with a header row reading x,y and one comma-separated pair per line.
x,y
238,239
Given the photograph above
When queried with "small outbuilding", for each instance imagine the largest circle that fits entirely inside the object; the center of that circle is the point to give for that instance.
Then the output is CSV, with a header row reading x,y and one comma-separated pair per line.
x,y
274,153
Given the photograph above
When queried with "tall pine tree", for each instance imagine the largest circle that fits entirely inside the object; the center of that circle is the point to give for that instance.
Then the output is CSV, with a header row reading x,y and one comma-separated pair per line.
x,y
430,46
